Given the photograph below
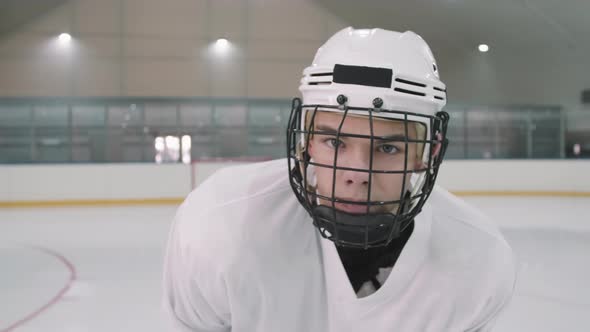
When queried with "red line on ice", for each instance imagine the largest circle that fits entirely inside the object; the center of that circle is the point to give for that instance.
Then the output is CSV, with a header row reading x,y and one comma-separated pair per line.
x,y
55,298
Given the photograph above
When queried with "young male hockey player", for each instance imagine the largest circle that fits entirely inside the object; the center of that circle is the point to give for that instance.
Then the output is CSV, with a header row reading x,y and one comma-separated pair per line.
x,y
353,235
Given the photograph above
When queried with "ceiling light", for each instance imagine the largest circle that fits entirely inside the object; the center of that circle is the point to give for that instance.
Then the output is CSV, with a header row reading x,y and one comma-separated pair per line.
x,y
65,37
222,42
483,48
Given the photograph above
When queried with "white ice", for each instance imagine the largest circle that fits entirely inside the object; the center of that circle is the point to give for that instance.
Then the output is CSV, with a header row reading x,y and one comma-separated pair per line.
x,y
117,253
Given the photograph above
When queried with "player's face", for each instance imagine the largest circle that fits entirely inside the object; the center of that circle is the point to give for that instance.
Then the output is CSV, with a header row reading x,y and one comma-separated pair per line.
x,y
353,152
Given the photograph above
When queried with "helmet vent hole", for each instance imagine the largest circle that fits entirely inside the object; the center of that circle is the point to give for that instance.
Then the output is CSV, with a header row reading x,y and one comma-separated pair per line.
x,y
401,80
439,98
320,79
416,93
321,74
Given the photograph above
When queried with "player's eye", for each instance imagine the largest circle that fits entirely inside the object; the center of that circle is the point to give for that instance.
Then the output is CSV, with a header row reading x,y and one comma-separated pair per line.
x,y
334,143
388,148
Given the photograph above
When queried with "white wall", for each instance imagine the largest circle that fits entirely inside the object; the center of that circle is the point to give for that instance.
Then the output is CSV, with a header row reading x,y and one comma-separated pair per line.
x,y
517,175
163,48
148,181
93,182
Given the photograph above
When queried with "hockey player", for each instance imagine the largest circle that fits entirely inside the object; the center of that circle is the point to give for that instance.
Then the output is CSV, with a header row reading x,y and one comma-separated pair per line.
x,y
353,235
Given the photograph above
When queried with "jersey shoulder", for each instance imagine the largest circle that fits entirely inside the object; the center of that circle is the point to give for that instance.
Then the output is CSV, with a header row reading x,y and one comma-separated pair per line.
x,y
469,248
465,238
235,183
234,204
452,210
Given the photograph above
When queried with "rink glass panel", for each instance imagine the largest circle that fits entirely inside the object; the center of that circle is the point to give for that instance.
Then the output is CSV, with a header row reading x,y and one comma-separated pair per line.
x,y
107,130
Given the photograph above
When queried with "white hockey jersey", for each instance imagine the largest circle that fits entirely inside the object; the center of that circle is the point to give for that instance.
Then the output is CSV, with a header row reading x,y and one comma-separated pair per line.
x,y
244,256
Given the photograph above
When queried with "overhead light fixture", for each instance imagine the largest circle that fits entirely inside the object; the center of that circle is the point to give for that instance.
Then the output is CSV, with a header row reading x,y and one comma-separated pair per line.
x,y
65,37
222,42
483,48
221,48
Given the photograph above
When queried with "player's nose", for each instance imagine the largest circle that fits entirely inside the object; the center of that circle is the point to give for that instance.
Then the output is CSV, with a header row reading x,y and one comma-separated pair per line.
x,y
359,163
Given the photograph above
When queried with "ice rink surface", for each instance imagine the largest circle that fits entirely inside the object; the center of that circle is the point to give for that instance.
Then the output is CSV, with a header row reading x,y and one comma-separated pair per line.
x,y
99,269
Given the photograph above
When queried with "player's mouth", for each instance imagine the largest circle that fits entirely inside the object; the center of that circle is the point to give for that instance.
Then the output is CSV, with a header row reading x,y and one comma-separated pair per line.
x,y
360,208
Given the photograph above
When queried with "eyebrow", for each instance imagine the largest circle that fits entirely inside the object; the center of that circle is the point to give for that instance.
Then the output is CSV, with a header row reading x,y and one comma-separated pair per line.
x,y
387,138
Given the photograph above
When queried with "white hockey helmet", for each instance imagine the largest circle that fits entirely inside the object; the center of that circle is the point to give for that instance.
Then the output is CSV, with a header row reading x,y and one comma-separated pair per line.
x,y
374,73
365,64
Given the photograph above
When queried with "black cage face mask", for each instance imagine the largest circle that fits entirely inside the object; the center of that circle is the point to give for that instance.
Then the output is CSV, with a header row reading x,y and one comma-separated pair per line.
x,y
366,221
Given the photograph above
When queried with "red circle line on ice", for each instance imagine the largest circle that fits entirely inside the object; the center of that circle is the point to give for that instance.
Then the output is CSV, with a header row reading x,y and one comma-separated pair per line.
x,y
55,299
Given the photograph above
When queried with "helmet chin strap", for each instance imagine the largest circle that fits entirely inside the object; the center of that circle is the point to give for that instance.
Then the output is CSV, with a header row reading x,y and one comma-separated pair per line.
x,y
353,228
